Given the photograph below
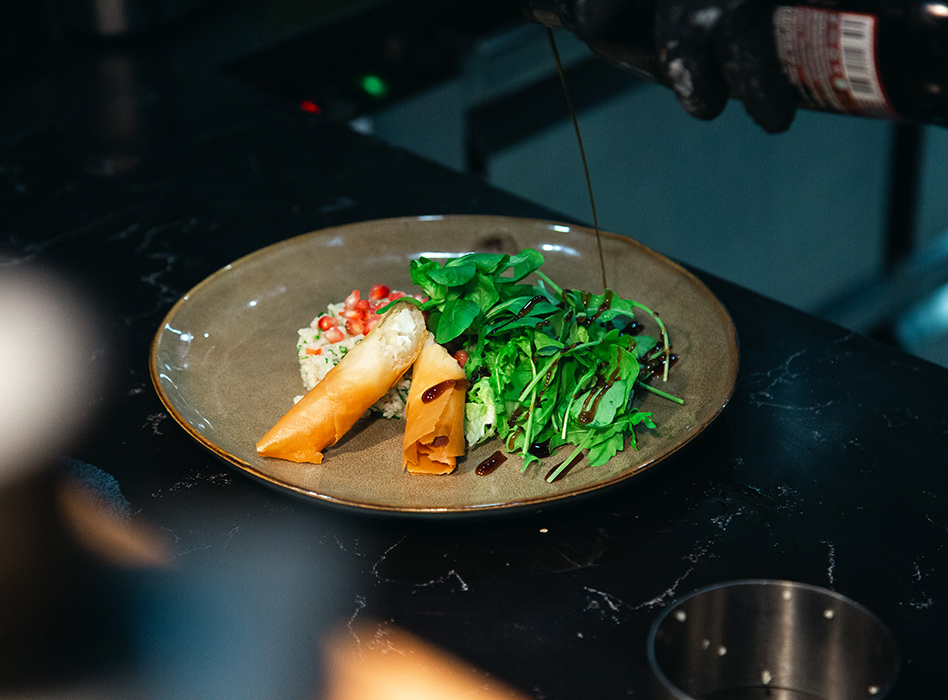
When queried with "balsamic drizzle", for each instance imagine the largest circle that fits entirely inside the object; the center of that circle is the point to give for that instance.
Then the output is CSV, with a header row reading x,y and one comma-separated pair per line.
x,y
634,327
490,464
434,392
582,151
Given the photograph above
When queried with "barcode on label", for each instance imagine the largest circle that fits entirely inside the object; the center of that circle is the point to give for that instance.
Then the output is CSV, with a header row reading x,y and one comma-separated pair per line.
x,y
861,85
830,57
857,44
856,28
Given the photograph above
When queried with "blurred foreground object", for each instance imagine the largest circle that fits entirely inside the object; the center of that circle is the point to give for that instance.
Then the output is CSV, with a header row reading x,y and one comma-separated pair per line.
x,y
46,369
47,375
879,58
108,535
381,662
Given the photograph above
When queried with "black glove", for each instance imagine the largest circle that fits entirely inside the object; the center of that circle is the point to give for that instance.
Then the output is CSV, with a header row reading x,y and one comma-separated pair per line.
x,y
715,49
708,50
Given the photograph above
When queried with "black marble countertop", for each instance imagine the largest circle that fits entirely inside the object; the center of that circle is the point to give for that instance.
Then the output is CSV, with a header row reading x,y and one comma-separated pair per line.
x,y
827,467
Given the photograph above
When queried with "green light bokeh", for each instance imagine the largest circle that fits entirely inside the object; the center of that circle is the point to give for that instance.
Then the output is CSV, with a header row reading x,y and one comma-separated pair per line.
x,y
374,85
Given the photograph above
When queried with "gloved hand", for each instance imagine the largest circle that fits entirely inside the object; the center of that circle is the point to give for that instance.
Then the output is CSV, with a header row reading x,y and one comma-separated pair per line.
x,y
713,49
708,50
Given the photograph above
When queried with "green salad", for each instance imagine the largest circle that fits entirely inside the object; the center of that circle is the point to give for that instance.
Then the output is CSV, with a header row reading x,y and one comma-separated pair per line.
x,y
546,366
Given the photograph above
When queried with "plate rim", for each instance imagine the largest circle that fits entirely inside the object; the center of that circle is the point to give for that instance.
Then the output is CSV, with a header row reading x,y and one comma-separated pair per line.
x,y
532,502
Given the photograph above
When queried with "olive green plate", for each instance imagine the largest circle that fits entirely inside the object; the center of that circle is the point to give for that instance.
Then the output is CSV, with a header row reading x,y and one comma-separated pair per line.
x,y
224,359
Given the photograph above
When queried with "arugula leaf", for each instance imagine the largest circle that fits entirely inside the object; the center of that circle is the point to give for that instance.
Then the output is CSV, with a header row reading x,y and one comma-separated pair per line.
x,y
610,443
604,400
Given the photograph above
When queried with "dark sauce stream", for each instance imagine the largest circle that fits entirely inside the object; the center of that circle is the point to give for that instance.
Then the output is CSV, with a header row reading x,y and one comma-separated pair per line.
x,y
541,449
582,151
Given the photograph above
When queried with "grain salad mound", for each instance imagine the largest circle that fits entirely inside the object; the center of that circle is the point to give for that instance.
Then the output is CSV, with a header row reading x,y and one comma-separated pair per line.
x,y
332,334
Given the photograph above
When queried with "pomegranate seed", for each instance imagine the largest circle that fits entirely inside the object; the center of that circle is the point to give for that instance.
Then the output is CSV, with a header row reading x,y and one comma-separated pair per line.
x,y
396,295
362,306
334,335
461,356
379,291
326,322
354,326
353,298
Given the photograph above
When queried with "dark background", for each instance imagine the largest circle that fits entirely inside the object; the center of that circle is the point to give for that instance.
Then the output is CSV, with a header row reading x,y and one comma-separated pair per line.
x,y
138,158
841,217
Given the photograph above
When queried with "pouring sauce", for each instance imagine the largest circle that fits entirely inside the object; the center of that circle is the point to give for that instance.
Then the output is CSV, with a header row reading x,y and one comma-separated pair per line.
x,y
542,449
582,151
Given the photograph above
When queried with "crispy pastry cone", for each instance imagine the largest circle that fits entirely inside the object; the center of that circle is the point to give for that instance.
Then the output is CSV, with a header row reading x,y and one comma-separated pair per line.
x,y
434,412
361,378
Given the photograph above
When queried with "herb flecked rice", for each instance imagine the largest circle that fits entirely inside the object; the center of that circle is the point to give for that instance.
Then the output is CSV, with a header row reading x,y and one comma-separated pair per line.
x,y
317,355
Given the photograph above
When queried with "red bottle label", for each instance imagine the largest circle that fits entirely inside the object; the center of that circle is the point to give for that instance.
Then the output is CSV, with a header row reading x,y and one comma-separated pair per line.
x,y
831,59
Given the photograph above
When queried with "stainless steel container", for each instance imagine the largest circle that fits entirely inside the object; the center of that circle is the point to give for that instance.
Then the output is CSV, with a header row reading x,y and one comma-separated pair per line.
x,y
778,640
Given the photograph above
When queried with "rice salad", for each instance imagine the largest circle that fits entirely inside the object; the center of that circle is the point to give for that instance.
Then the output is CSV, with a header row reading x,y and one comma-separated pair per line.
x,y
333,333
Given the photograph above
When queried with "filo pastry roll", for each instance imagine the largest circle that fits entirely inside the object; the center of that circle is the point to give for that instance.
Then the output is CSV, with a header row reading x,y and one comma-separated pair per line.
x,y
365,373
434,412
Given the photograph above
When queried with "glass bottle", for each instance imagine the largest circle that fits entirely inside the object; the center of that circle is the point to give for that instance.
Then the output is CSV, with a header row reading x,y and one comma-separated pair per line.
x,y
875,58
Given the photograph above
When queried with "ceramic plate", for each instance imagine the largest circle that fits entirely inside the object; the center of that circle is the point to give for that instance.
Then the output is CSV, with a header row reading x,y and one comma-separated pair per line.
x,y
224,359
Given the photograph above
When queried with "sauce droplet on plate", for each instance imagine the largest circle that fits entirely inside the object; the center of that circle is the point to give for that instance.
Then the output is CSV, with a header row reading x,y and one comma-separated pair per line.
x,y
490,464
